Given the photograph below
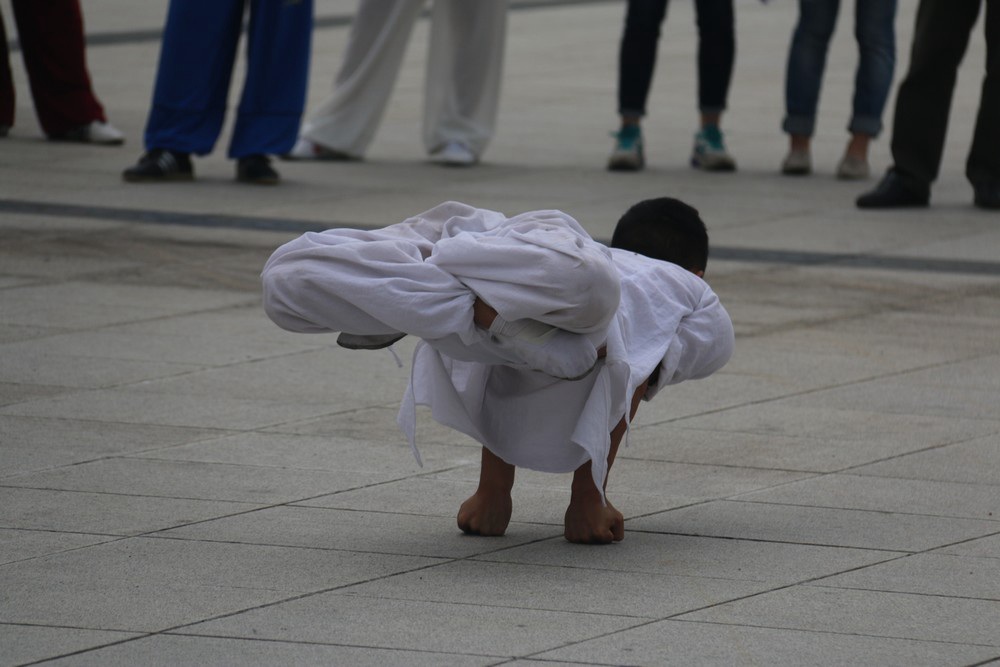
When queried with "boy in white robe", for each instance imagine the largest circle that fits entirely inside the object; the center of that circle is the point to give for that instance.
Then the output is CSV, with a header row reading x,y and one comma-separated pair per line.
x,y
537,341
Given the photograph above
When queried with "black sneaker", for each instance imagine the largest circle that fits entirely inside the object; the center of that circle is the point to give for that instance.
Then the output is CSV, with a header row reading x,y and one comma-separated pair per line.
x,y
256,169
987,195
160,164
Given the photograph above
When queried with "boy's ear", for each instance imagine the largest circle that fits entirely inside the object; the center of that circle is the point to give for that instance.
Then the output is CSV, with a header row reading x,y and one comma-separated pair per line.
x,y
700,273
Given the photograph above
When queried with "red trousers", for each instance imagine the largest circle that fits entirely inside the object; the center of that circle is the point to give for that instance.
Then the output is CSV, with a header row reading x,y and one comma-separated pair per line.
x,y
51,36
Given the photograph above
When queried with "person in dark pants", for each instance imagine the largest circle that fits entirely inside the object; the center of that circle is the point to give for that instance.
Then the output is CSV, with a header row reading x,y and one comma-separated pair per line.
x,y
924,102
192,85
52,45
716,53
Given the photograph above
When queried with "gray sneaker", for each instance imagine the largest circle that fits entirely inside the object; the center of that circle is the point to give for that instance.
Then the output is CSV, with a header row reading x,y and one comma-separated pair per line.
x,y
710,152
367,342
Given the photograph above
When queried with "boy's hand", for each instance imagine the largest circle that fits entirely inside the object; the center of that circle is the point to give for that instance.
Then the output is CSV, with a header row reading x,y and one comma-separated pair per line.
x,y
589,522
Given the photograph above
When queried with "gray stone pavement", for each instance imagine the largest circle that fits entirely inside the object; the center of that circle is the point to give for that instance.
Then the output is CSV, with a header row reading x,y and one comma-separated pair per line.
x,y
183,484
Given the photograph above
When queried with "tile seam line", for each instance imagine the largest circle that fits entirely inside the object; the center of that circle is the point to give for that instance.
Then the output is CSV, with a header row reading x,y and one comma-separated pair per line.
x,y
330,21
725,253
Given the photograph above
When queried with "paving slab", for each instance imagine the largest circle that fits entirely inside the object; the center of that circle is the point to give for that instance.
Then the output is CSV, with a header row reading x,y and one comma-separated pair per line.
x,y
927,574
865,613
473,629
686,643
374,532
684,555
169,650
24,644
110,586
18,544
106,513
564,588
970,462
905,496
196,480
816,525
33,444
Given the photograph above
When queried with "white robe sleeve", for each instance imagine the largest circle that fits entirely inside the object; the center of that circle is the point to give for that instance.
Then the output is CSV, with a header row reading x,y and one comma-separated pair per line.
x,y
374,282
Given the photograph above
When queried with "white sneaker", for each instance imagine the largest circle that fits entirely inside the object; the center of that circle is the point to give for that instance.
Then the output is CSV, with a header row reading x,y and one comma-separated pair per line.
x,y
798,162
853,169
454,154
306,149
95,132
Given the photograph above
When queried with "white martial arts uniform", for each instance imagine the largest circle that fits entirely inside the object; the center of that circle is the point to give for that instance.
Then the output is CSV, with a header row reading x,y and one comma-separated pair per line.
x,y
462,85
422,276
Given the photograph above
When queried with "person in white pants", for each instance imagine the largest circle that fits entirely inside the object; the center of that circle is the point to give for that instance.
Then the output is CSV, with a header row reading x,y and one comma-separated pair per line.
x,y
537,341
462,85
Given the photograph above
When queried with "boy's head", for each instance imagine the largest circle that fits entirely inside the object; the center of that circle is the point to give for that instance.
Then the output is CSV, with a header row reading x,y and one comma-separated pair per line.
x,y
666,229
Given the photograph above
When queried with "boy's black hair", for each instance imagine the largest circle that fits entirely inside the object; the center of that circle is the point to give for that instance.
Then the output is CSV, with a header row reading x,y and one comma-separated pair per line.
x,y
666,229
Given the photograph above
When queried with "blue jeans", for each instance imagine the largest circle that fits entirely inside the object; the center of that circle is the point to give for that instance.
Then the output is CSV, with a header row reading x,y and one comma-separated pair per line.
x,y
875,33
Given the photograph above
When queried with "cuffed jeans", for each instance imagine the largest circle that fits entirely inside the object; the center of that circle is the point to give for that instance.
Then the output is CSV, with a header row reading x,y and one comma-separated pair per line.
x,y
637,59
924,99
874,31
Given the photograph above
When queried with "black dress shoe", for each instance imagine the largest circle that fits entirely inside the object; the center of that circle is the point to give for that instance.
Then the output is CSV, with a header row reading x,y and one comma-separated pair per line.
x,y
257,170
987,195
894,192
160,164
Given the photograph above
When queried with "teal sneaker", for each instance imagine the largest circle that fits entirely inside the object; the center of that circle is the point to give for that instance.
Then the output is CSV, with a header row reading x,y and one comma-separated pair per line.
x,y
710,152
627,155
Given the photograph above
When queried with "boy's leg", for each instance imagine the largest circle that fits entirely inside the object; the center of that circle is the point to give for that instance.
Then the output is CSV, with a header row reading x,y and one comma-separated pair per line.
x,y
487,511
365,283
589,520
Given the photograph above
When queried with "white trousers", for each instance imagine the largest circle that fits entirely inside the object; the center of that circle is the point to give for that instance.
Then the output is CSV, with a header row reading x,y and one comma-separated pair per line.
x,y
462,84
421,277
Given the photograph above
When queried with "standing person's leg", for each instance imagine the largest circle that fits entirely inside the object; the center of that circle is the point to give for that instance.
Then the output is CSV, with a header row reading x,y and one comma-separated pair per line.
x,y
716,55
52,44
344,125
923,104
983,165
462,88
874,30
6,84
192,80
274,92
804,77
192,87
636,63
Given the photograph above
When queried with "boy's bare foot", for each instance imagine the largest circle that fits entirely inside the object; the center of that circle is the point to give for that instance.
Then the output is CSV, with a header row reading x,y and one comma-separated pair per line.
x,y
485,513
589,522
488,510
